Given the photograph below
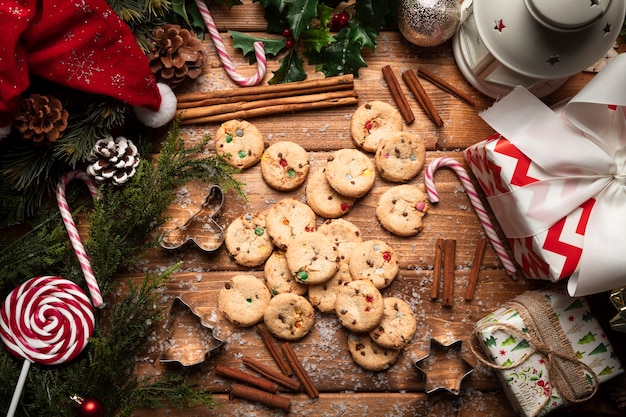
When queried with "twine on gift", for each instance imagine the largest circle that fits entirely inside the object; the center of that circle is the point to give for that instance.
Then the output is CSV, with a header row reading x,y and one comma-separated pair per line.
x,y
259,51
77,244
546,337
483,216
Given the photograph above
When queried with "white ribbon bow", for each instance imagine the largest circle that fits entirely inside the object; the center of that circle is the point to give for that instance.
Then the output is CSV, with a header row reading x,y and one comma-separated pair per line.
x,y
582,152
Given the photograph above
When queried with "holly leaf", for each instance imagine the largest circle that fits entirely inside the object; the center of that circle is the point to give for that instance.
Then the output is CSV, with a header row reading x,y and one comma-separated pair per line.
x,y
299,15
339,58
375,13
291,69
364,36
246,44
315,39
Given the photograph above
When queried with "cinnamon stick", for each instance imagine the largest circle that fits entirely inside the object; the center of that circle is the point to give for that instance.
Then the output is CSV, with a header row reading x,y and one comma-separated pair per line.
x,y
446,86
422,96
299,370
272,374
293,87
232,373
211,101
398,96
449,254
478,260
199,112
271,110
434,293
274,350
263,397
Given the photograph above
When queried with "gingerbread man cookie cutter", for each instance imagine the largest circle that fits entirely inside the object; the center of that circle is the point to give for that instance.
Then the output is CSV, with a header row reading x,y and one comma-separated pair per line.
x,y
201,228
439,369
190,339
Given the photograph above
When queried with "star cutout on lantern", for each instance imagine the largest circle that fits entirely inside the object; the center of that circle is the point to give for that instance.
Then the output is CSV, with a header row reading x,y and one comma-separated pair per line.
x,y
594,2
554,59
444,367
607,29
499,25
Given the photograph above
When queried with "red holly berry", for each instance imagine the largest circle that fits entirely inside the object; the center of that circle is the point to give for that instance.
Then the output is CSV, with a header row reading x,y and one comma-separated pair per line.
x,y
287,33
290,43
339,21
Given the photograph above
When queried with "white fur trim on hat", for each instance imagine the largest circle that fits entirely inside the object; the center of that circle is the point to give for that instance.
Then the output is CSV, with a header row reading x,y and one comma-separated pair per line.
x,y
4,131
166,111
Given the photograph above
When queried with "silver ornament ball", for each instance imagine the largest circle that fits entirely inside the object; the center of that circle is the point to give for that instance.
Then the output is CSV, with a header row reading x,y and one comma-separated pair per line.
x,y
428,22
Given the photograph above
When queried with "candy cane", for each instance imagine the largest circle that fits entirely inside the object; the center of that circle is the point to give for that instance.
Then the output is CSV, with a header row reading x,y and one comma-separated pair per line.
x,y
66,215
476,203
259,51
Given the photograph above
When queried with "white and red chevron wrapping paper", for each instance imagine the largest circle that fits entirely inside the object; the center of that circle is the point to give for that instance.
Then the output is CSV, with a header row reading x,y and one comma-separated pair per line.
x,y
556,181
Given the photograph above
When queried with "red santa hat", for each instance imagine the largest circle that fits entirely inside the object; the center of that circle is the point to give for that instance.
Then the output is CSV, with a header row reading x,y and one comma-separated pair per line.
x,y
81,44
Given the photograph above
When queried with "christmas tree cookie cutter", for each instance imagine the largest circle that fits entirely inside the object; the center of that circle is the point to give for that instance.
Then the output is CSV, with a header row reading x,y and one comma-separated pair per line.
x,y
201,228
443,369
190,340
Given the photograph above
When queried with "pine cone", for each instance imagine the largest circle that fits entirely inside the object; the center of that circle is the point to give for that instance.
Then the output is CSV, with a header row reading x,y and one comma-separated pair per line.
x,y
41,119
176,55
113,160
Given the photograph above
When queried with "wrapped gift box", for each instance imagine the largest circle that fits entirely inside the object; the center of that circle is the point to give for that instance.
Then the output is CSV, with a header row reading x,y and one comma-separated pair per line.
x,y
547,363
555,180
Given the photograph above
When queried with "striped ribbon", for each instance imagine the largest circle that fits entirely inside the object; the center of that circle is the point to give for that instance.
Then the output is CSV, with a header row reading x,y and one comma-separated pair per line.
x,y
259,51
77,244
483,216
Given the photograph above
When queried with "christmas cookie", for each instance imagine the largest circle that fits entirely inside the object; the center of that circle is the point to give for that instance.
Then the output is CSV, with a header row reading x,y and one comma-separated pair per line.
x,y
279,278
373,121
398,325
323,296
376,261
323,198
285,165
346,235
359,306
248,241
243,300
400,156
350,172
402,208
312,258
287,219
289,316
240,143
369,355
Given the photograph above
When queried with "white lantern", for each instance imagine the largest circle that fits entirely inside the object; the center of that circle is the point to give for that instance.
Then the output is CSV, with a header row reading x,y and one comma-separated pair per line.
x,y
537,44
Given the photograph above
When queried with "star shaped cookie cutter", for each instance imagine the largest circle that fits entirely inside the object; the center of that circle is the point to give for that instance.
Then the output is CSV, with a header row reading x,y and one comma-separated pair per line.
x,y
441,375
201,228
190,340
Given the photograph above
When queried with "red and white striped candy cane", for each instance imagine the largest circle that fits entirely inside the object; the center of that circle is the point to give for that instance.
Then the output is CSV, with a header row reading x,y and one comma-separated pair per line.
x,y
476,203
259,51
77,244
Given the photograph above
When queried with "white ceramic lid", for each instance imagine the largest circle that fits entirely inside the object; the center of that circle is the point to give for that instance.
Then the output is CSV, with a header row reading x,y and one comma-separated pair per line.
x,y
537,48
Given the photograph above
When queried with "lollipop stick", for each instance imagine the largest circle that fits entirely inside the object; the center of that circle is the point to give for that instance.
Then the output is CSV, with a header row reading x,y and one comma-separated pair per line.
x,y
18,389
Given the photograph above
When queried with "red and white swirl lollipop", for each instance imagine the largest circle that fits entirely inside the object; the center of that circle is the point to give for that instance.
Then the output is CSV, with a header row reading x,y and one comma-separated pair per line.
x,y
49,319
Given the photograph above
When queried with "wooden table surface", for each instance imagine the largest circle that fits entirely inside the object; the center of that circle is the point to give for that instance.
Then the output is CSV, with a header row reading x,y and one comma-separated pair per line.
x,y
346,389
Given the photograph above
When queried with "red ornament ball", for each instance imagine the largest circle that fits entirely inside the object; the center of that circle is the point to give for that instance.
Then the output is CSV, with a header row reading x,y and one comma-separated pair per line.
x,y
90,407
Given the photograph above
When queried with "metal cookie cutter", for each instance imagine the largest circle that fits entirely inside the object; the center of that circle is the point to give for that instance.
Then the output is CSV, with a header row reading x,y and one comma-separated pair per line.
x,y
440,371
201,228
190,341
